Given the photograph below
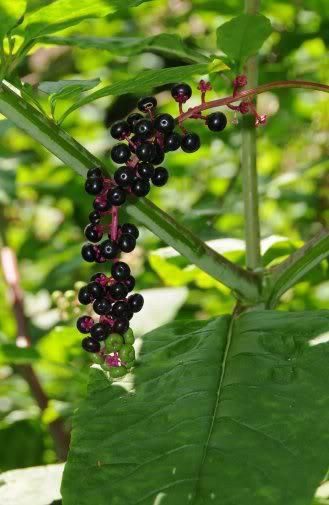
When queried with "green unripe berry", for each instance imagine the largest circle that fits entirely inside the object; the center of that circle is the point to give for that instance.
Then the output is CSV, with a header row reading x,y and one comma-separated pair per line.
x,y
127,353
117,371
56,295
129,337
70,295
114,343
78,285
130,364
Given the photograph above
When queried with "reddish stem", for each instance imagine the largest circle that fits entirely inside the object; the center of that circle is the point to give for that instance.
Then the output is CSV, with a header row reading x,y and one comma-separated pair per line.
x,y
115,223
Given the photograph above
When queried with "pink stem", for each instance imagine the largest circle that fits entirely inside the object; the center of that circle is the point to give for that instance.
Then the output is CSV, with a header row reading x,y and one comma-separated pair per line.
x,y
115,223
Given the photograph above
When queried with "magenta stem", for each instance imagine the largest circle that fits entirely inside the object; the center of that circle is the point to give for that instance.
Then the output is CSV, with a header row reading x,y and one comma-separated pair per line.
x,y
115,223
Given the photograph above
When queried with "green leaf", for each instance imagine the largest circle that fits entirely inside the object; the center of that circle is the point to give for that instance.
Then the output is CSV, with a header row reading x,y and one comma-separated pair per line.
x,y
224,411
11,354
243,36
10,13
143,82
164,43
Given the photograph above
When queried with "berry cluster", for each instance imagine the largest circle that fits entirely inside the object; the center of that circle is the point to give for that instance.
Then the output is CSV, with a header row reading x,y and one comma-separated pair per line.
x,y
144,138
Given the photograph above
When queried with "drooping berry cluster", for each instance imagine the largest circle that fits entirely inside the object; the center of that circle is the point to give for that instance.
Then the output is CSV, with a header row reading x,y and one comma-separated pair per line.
x,y
144,140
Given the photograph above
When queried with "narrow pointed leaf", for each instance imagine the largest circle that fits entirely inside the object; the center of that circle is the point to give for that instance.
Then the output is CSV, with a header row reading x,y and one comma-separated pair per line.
x,y
210,410
10,13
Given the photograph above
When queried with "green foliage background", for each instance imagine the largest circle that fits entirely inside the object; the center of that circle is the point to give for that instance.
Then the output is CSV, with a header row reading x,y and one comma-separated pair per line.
x,y
43,208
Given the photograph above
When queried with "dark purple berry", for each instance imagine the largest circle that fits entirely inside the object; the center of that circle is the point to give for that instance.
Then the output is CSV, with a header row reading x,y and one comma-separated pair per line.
x,y
88,252
160,176
94,172
181,92
121,326
101,204
146,152
84,296
130,283
84,323
94,217
94,185
216,121
127,242
92,233
172,142
102,307
100,331
159,156
141,187
190,142
96,276
124,176
136,302
146,103
132,118
116,196
130,228
120,129
145,170
118,291
121,310
164,123
120,153
90,345
120,271
96,290
109,249
143,128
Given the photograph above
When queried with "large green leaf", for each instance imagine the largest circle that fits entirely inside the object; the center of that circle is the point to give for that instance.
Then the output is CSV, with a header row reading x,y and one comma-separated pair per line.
x,y
164,43
143,82
229,411
10,12
243,36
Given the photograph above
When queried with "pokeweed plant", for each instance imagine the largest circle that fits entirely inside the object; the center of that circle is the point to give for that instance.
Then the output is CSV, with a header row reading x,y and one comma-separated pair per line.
x,y
231,410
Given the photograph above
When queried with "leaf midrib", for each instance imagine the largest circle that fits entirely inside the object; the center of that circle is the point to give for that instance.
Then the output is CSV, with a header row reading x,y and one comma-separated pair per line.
x,y
216,405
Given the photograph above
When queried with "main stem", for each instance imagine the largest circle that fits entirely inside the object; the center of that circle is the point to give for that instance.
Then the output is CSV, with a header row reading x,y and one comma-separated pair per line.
x,y
249,167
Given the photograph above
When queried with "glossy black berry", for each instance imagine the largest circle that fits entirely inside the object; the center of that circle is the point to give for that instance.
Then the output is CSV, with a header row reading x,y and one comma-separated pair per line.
x,y
88,252
164,123
216,121
131,229
145,170
96,276
100,331
132,118
159,155
120,153
136,302
120,271
127,242
124,176
84,296
146,152
172,142
143,128
141,187
90,345
121,326
96,290
101,204
109,249
94,217
116,196
160,176
94,172
146,103
92,233
181,92
94,185
84,323
120,129
121,310
130,282
102,306
118,291
190,142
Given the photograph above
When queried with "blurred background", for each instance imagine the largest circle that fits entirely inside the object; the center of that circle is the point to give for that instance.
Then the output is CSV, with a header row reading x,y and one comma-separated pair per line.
x,y
43,208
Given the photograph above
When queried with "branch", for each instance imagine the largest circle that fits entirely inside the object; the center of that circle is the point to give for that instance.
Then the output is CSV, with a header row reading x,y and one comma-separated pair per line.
x,y
8,262
300,263
67,149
